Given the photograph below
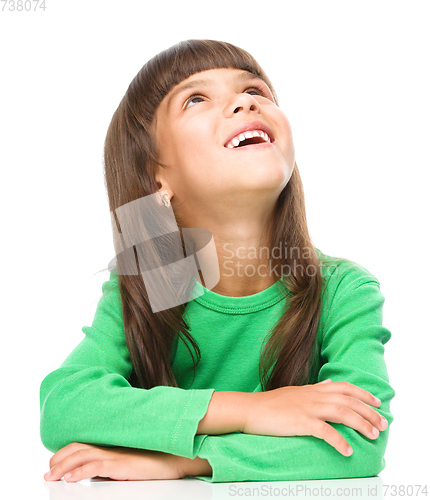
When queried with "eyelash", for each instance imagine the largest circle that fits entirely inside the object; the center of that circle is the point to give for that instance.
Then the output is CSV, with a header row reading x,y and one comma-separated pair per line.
x,y
258,87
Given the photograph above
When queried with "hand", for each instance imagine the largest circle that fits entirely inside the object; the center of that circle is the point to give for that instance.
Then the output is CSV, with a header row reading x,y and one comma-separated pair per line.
x,y
84,461
303,411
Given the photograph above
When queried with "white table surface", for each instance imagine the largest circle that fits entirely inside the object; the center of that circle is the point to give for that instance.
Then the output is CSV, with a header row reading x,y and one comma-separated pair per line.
x,y
34,487
196,489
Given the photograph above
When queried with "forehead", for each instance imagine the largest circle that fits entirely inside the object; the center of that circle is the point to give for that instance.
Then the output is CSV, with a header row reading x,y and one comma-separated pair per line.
x,y
215,74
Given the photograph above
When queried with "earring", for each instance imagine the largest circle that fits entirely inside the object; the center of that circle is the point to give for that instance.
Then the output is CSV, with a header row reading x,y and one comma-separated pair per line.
x,y
166,200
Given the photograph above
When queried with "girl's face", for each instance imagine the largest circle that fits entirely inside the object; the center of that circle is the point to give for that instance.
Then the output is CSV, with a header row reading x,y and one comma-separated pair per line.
x,y
193,126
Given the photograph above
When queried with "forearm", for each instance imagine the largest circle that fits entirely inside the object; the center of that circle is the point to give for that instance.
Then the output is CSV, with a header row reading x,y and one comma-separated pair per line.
x,y
88,404
226,413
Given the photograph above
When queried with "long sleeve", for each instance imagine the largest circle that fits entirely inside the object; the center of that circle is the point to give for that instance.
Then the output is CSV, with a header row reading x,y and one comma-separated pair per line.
x,y
89,399
352,350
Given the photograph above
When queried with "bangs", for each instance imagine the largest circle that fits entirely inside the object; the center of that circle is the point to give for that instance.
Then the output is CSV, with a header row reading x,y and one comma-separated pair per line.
x,y
175,64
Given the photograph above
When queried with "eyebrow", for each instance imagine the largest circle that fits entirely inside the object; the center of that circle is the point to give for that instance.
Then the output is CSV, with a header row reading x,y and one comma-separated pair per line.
x,y
241,77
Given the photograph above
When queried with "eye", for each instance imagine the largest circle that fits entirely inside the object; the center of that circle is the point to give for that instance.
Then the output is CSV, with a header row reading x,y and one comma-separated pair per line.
x,y
192,98
256,88
260,89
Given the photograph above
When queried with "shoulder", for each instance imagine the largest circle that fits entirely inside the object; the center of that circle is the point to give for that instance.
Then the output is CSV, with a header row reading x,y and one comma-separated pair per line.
x,y
110,300
351,303
339,271
109,307
112,284
341,277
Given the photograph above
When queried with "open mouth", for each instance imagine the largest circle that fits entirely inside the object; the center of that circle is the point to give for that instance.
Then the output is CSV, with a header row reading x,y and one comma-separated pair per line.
x,y
252,143
252,140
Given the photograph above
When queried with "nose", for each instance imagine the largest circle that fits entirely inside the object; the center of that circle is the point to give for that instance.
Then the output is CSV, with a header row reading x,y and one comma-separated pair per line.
x,y
243,102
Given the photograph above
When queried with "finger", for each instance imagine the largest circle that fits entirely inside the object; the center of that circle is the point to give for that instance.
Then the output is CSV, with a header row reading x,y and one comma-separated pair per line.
x,y
71,462
366,411
111,468
349,389
343,414
96,468
65,452
329,434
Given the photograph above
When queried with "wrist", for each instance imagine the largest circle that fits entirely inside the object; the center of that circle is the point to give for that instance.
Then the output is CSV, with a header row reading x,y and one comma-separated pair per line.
x,y
194,467
227,413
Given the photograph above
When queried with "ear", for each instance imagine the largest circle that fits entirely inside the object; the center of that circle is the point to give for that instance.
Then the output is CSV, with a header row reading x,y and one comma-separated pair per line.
x,y
164,187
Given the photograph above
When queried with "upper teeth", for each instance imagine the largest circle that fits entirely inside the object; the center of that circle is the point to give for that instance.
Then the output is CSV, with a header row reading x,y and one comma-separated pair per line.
x,y
247,135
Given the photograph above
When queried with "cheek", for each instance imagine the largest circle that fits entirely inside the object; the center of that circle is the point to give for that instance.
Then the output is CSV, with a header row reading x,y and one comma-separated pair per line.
x,y
284,126
195,144
285,138
190,161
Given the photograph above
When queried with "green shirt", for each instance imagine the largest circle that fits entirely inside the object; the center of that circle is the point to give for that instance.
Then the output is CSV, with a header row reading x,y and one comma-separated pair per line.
x,y
89,399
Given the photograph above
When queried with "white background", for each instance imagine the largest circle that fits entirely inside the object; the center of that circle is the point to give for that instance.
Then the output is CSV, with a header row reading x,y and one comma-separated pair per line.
x,y
353,79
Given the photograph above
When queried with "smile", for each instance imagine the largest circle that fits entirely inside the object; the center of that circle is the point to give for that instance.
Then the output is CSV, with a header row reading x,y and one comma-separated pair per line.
x,y
250,137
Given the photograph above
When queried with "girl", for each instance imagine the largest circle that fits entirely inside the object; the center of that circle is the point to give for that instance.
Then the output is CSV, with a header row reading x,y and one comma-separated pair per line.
x,y
289,342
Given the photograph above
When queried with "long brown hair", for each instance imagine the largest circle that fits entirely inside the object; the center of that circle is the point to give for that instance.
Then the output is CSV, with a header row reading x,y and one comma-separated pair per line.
x,y
131,158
